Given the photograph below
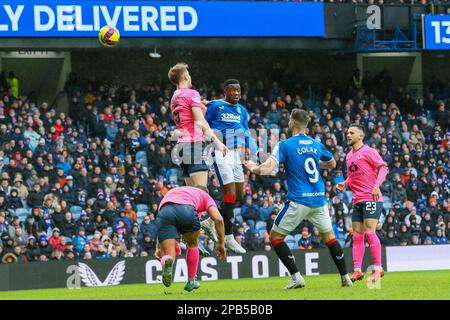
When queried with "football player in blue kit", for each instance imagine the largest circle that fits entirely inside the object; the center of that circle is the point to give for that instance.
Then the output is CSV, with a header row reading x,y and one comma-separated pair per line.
x,y
229,121
302,157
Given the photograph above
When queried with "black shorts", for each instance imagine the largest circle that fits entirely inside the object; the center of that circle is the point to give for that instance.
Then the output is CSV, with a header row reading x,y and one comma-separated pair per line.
x,y
192,157
367,210
174,219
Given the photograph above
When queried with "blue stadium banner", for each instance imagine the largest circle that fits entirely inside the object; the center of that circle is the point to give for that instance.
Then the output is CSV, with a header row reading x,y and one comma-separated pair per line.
x,y
437,31
161,18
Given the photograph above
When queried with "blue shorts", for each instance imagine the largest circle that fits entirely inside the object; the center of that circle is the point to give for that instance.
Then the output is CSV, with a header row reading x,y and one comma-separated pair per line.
x,y
192,157
174,219
367,210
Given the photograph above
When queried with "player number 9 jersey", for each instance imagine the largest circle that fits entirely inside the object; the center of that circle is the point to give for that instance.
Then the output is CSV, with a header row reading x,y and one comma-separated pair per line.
x,y
301,156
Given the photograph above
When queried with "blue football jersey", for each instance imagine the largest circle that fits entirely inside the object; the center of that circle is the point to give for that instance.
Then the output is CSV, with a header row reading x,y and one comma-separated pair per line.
x,y
301,156
231,121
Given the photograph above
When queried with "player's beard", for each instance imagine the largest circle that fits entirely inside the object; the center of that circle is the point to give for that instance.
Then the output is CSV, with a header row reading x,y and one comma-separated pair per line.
x,y
351,143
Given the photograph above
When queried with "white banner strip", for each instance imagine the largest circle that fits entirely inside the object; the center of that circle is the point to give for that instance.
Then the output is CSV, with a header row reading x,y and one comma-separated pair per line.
x,y
416,258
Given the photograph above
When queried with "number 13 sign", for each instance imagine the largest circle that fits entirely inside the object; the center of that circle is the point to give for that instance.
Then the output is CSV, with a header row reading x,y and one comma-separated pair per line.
x,y
437,31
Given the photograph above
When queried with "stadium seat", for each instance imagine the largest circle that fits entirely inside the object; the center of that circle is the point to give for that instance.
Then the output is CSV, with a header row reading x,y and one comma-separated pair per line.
x,y
141,215
260,224
22,213
142,207
387,203
290,241
238,219
172,175
262,232
349,196
75,209
261,228
141,157
76,216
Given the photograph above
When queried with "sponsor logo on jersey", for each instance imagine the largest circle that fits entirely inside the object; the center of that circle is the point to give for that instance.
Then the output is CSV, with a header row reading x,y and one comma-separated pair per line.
x,y
196,100
305,142
303,150
313,194
229,117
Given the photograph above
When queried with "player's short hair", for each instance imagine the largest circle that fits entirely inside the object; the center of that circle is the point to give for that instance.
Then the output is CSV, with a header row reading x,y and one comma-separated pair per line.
x,y
230,81
177,72
358,126
301,118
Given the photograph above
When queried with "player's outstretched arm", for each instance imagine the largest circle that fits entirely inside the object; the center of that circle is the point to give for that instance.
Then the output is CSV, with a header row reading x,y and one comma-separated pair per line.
x,y
215,215
328,164
204,125
264,168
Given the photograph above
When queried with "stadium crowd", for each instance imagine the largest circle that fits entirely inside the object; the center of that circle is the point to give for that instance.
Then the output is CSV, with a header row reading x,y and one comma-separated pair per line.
x,y
87,184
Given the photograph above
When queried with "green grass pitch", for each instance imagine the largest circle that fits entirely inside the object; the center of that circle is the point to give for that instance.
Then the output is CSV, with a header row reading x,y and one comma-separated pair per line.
x,y
433,285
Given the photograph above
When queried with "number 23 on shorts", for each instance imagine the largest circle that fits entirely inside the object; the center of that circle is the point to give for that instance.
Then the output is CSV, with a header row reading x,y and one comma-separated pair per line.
x,y
371,206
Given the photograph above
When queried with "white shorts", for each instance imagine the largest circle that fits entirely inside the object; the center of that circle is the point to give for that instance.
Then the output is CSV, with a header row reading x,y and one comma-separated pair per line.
x,y
227,169
294,213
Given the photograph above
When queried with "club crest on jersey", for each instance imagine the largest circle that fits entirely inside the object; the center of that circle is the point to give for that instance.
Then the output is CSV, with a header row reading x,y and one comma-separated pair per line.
x,y
359,155
353,167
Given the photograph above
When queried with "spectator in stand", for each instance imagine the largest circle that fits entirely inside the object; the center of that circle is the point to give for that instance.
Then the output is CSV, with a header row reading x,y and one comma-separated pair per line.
x,y
4,224
316,239
304,243
148,244
85,223
391,239
68,227
21,257
265,210
95,241
428,241
254,243
148,226
81,240
250,212
439,238
32,251
45,248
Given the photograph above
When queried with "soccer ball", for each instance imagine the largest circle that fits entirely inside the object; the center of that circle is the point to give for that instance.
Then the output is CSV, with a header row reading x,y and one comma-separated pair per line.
x,y
108,36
